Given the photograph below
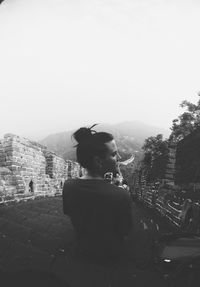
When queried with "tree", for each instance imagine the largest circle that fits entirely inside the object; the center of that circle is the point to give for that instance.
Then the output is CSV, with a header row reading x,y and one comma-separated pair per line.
x,y
187,122
155,157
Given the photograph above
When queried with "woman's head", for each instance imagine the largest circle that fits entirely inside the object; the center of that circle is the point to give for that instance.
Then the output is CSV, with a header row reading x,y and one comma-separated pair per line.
x,y
96,151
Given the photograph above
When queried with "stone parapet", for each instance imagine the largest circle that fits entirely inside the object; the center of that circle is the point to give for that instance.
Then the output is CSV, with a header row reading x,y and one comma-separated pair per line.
x,y
29,168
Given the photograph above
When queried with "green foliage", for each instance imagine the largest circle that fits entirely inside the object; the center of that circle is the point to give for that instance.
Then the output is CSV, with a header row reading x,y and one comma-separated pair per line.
x,y
185,134
187,122
155,157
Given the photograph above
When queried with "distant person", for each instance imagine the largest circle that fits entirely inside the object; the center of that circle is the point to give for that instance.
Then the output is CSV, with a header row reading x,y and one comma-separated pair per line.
x,y
61,184
100,212
31,186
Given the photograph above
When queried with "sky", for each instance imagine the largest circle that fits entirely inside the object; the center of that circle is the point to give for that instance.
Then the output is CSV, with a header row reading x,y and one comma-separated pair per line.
x,y
70,63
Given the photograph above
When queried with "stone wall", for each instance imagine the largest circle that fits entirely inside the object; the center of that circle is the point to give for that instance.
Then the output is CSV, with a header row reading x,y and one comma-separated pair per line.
x,y
75,170
170,168
28,168
56,169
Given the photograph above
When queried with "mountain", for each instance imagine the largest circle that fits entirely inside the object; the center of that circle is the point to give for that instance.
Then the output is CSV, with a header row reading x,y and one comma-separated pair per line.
x,y
129,136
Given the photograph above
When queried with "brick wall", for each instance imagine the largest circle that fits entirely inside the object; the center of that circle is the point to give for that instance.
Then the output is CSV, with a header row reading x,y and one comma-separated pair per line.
x,y
23,162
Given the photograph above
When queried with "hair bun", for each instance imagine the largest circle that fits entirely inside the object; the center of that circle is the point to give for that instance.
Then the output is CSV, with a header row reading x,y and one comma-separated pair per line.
x,y
82,134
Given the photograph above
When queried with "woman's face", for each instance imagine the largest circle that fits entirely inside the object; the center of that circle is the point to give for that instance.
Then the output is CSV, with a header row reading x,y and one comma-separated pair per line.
x,y
111,160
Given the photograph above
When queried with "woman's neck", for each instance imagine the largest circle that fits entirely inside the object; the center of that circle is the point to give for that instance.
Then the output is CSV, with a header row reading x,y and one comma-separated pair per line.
x,y
89,175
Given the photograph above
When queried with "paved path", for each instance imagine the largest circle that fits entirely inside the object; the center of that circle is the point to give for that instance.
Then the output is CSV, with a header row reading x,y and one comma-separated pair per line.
x,y
35,235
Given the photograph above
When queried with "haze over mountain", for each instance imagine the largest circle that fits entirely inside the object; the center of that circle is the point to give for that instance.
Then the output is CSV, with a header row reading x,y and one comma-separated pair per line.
x,y
129,136
63,63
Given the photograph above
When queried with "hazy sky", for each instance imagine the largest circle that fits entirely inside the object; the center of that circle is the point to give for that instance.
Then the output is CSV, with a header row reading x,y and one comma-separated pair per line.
x,y
67,63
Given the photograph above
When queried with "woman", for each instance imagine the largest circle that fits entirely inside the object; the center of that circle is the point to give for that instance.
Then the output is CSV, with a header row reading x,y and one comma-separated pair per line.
x,y
100,212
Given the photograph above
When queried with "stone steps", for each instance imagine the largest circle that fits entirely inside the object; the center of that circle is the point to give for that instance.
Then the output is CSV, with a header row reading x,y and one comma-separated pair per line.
x,y
39,205
31,223
15,230
20,256
5,244
48,240
8,214
33,218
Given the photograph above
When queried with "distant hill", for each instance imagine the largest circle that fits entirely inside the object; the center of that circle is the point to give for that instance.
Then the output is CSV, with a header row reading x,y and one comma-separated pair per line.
x,y
129,136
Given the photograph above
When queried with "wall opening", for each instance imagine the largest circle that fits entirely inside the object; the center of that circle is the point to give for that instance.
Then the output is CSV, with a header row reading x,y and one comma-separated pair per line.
x,y
31,186
61,184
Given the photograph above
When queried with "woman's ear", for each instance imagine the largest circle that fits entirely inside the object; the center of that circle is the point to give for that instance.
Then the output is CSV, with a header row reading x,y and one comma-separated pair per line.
x,y
97,162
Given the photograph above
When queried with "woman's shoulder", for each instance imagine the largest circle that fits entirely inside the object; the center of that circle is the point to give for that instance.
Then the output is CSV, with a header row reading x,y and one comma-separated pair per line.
x,y
118,191
70,182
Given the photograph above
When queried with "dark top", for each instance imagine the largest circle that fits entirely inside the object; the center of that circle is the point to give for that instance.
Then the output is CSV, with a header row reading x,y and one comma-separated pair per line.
x,y
100,213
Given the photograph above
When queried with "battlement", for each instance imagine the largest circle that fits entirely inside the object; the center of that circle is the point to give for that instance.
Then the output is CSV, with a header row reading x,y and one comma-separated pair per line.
x,y
28,168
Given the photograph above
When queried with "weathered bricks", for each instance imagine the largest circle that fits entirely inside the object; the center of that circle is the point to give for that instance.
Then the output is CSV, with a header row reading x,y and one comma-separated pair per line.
x,y
27,160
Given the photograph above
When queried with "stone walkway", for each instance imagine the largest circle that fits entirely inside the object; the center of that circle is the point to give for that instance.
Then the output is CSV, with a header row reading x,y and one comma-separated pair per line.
x,y
36,236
